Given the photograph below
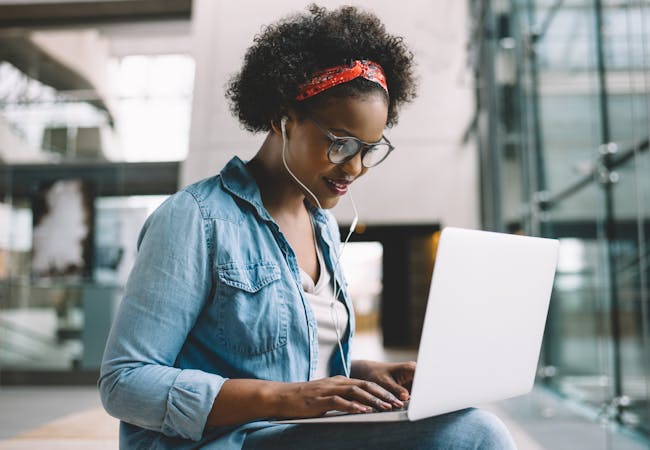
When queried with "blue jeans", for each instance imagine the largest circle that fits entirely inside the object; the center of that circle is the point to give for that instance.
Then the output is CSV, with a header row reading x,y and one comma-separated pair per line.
x,y
467,429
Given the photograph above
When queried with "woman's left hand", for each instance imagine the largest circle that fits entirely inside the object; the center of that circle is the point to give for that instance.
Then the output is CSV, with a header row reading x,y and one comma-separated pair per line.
x,y
395,377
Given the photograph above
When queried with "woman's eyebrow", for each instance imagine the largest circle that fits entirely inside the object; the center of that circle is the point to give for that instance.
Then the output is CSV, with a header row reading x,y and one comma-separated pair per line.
x,y
350,134
343,130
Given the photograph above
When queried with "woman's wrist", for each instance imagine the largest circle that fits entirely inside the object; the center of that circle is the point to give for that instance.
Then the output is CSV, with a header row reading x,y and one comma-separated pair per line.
x,y
272,398
243,400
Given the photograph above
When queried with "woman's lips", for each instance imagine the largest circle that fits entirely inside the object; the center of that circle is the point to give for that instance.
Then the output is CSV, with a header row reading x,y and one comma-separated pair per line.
x,y
338,187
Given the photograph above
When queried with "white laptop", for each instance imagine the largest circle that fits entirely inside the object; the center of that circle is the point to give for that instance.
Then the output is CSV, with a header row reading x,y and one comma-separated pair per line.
x,y
483,325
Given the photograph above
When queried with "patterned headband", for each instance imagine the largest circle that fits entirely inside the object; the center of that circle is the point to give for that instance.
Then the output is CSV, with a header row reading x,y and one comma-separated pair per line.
x,y
336,75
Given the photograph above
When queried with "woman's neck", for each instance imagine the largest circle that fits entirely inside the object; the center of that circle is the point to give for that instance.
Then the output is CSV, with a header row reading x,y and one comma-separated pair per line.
x,y
280,194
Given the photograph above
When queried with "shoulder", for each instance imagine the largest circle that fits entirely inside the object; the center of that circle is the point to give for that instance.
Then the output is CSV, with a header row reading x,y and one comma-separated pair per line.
x,y
194,205
212,200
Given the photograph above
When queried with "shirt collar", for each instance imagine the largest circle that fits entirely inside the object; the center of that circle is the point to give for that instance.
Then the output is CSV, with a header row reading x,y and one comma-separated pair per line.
x,y
239,181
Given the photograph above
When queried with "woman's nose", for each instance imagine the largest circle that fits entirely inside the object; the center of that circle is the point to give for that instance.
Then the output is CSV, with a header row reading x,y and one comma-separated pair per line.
x,y
354,167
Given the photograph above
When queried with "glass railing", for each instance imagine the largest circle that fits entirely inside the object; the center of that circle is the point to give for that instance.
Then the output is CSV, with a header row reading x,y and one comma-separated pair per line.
x,y
567,131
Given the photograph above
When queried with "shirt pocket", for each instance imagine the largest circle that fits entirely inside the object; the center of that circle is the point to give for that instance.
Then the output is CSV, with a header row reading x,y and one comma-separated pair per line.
x,y
253,314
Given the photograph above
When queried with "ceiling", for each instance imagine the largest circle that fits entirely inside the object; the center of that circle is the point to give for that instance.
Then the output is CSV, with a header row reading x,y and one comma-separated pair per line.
x,y
27,13
128,23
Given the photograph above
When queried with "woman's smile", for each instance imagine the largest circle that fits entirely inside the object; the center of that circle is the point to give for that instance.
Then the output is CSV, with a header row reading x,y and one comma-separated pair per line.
x,y
338,186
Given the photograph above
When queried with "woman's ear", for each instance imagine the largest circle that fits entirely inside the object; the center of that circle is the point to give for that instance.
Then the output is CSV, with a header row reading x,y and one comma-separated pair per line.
x,y
279,127
275,127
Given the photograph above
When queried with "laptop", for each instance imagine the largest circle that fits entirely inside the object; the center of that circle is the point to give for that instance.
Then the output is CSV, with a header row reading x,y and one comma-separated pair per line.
x,y
483,325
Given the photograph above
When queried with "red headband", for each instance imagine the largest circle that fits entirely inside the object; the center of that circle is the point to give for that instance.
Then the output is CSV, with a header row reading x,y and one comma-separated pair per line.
x,y
336,75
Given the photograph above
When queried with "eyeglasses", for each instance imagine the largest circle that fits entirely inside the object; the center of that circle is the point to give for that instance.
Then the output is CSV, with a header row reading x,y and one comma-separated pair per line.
x,y
343,148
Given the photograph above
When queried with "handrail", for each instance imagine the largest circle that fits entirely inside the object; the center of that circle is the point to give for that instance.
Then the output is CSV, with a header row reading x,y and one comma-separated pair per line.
x,y
548,201
34,335
541,30
24,351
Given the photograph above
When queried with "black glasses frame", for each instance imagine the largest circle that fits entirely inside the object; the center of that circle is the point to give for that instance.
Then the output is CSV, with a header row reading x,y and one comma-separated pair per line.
x,y
361,145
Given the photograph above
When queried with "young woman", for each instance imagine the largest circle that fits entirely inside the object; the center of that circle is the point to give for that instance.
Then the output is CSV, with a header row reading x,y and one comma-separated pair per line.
x,y
236,310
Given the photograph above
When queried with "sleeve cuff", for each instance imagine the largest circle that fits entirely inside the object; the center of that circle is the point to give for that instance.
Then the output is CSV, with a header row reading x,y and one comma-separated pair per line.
x,y
189,403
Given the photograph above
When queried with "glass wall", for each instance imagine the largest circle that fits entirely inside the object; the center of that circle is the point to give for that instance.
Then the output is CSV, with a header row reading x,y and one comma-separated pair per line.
x,y
563,121
90,144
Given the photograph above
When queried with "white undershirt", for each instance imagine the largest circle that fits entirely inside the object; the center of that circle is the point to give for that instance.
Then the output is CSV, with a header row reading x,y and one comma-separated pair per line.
x,y
321,296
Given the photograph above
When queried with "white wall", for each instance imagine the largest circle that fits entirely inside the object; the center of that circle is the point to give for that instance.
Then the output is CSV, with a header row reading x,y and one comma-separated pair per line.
x,y
431,177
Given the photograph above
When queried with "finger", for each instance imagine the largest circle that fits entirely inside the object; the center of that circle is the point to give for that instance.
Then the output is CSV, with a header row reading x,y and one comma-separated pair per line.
x,y
395,388
338,403
364,391
385,396
353,392
408,376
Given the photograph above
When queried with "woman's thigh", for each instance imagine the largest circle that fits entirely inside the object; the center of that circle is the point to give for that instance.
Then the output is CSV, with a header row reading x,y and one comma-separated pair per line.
x,y
466,429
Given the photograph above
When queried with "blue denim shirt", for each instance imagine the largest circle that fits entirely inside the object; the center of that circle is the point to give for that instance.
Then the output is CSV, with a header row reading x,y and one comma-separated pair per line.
x,y
215,293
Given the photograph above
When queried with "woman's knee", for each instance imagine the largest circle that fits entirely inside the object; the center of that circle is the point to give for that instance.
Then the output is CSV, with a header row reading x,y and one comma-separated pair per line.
x,y
488,431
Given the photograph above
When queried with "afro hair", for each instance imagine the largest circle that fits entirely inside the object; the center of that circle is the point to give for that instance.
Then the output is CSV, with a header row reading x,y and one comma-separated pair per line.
x,y
288,53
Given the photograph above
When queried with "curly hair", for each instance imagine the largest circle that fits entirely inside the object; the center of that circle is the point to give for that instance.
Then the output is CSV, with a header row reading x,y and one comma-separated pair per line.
x,y
288,53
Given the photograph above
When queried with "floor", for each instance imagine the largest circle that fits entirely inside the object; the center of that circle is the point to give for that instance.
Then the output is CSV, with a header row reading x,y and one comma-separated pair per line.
x,y
71,418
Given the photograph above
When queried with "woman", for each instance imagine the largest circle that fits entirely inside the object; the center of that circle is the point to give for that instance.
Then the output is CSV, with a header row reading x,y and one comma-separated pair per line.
x,y
236,310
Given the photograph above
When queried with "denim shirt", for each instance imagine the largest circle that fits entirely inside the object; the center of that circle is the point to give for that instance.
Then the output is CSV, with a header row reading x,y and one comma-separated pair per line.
x,y
214,294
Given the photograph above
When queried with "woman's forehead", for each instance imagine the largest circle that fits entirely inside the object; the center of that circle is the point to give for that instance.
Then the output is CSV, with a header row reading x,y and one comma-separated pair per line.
x,y
364,117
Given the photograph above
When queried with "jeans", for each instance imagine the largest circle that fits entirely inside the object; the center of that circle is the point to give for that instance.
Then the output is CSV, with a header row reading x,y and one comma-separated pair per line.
x,y
467,429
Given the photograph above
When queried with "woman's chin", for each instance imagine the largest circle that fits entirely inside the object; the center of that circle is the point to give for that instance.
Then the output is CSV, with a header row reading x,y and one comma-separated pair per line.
x,y
328,202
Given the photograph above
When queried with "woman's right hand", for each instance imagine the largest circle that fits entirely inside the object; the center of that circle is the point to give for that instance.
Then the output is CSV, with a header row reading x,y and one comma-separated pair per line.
x,y
315,398
242,400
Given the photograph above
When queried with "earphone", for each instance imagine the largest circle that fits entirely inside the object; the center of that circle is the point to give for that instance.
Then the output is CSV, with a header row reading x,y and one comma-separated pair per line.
x,y
355,220
283,127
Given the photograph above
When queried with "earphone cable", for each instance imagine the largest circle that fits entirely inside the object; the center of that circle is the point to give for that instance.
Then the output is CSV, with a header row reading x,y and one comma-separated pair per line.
x,y
336,291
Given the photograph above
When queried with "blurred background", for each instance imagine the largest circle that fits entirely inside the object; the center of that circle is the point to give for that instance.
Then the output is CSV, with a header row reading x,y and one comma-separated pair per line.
x,y
533,117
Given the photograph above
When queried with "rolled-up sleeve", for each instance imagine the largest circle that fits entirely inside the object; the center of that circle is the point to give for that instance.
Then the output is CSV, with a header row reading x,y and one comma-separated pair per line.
x,y
167,288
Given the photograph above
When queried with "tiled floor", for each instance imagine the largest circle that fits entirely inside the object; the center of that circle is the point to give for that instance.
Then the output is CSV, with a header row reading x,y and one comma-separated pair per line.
x,y
25,408
72,418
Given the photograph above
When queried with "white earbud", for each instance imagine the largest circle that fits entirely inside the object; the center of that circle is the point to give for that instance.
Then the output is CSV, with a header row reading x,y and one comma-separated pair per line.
x,y
283,125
